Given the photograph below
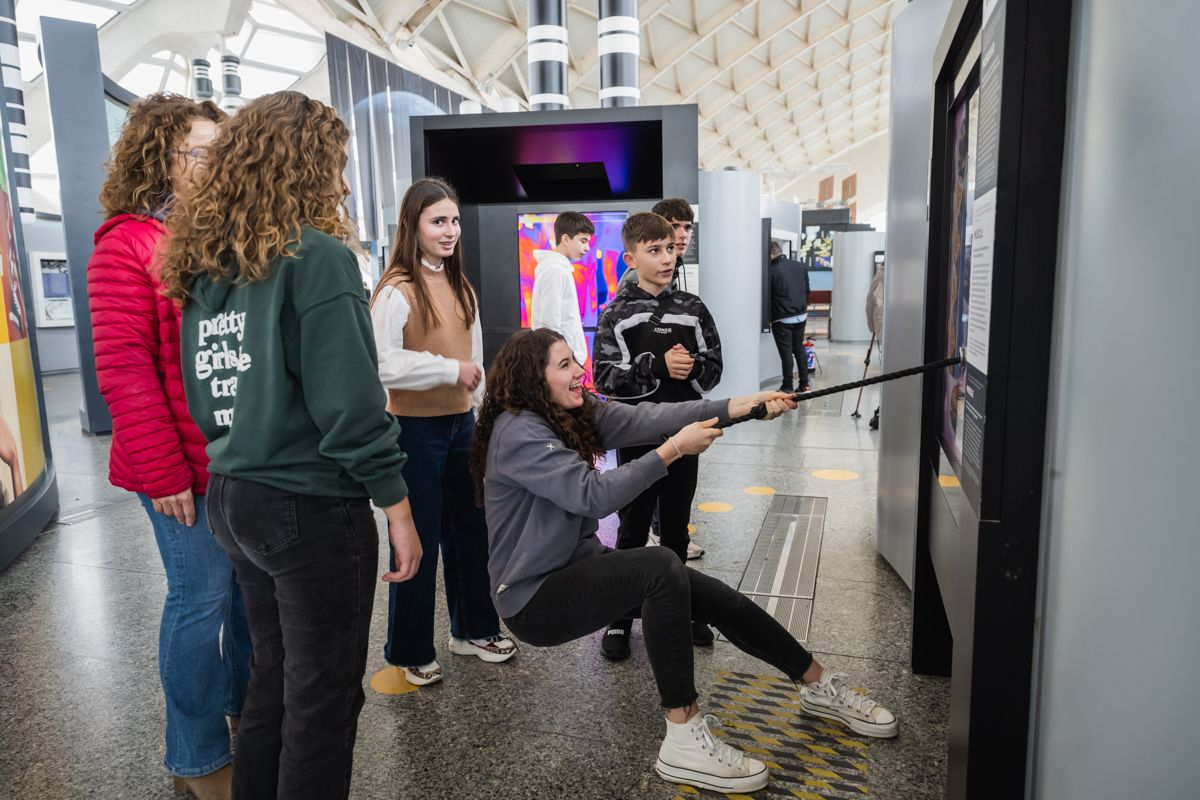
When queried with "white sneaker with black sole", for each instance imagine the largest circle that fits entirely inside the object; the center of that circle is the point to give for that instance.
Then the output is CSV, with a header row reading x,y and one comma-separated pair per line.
x,y
692,755
494,649
423,676
694,550
832,698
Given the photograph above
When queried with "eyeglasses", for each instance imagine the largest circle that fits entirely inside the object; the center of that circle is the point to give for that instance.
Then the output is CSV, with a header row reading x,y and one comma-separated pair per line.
x,y
199,154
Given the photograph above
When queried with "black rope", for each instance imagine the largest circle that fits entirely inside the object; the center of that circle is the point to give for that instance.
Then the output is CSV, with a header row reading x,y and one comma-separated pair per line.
x,y
760,410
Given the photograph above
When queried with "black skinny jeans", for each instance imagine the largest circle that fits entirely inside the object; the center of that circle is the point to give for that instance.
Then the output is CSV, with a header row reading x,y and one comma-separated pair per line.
x,y
652,583
307,569
671,495
789,341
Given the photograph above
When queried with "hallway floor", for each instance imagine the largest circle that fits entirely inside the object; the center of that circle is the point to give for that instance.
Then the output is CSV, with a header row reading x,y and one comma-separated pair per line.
x,y
82,714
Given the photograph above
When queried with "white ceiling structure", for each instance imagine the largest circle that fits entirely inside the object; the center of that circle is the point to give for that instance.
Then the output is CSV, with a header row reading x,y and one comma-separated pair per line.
x,y
783,87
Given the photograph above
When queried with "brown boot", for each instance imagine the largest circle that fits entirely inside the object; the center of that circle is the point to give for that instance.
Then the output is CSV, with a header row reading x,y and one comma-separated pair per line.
x,y
213,786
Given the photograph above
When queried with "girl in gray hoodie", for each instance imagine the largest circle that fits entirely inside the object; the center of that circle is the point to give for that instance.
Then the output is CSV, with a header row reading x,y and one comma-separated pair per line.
x,y
539,435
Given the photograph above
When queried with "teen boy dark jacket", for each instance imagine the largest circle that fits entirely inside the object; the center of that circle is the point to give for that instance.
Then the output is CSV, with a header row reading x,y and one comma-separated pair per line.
x,y
789,288
635,332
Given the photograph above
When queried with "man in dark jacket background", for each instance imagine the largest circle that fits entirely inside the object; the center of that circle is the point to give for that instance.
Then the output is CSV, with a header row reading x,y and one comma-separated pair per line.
x,y
789,313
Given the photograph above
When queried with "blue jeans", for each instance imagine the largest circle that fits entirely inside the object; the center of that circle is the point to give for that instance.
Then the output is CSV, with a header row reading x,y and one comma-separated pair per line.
x,y
203,643
442,495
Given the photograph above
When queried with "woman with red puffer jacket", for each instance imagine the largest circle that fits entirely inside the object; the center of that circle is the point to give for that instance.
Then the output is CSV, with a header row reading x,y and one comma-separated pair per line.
x,y
157,450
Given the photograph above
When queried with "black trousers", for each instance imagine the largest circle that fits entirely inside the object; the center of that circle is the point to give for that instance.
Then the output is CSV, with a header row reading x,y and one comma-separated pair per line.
x,y
307,569
789,341
653,584
672,496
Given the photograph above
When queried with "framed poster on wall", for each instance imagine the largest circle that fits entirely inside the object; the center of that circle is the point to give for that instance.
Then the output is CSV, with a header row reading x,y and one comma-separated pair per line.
x,y
22,446
52,303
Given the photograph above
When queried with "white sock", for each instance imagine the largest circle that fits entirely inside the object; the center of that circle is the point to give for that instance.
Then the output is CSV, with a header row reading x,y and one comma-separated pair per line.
x,y
680,730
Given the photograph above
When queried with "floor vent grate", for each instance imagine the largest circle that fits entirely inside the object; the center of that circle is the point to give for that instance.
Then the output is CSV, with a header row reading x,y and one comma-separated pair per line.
x,y
781,575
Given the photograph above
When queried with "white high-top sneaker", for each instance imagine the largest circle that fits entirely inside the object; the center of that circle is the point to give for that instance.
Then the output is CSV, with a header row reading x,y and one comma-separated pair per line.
x,y
832,698
691,754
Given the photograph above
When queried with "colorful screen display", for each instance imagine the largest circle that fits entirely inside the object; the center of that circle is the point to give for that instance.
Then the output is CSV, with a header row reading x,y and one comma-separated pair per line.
x,y
22,458
596,275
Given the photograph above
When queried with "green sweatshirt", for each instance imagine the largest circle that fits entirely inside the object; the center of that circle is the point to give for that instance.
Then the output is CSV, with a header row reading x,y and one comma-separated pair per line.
x,y
282,378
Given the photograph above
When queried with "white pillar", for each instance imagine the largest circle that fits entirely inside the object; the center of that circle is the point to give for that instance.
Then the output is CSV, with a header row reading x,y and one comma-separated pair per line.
x,y
853,269
731,280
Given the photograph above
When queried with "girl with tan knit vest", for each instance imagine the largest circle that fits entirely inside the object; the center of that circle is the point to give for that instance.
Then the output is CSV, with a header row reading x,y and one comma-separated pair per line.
x,y
430,346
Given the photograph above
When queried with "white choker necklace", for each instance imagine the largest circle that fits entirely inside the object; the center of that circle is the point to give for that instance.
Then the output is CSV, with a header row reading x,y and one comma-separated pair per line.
x,y
433,267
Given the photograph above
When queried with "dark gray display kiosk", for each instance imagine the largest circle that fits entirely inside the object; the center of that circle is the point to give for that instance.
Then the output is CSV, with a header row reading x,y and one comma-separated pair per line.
x,y
86,110
999,121
507,166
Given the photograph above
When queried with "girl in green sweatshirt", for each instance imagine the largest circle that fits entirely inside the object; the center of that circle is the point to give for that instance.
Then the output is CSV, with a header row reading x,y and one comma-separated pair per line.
x,y
279,368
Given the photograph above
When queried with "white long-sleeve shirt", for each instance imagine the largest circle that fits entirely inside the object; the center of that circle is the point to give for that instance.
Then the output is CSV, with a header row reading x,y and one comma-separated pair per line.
x,y
415,369
555,304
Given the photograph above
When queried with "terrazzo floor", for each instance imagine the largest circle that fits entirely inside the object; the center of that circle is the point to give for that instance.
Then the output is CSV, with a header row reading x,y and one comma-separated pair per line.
x,y
82,712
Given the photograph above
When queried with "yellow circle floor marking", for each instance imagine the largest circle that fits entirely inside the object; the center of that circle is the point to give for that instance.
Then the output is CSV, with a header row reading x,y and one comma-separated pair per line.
x,y
762,491
691,529
834,474
949,481
715,508
391,680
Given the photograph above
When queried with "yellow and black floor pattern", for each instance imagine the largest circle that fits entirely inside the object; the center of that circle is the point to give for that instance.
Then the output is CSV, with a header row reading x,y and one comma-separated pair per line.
x,y
810,758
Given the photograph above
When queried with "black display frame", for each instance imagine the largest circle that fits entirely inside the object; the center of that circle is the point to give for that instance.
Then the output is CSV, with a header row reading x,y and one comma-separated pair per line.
x,y
993,590
488,235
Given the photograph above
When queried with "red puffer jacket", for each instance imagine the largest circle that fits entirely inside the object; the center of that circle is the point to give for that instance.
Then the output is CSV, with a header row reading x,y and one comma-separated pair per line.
x,y
156,448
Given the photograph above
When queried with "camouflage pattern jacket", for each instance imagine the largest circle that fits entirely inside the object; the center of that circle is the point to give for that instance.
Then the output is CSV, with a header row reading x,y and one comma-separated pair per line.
x,y
635,332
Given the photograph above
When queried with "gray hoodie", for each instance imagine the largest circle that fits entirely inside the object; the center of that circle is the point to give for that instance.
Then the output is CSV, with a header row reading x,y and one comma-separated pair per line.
x,y
542,500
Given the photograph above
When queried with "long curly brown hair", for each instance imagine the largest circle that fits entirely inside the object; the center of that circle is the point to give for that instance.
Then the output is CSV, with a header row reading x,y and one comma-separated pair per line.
x,y
275,169
404,265
139,170
517,382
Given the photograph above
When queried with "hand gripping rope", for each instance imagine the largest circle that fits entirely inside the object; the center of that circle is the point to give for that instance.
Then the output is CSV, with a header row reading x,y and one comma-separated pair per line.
x,y
760,410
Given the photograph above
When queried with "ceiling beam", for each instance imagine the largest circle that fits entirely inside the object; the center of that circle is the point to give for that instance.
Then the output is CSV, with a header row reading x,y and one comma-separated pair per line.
x,y
781,153
767,74
416,32
790,107
705,32
821,120
832,156
810,40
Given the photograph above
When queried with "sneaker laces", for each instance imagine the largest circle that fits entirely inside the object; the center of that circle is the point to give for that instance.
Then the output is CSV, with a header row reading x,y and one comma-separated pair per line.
x,y
495,639
724,752
851,699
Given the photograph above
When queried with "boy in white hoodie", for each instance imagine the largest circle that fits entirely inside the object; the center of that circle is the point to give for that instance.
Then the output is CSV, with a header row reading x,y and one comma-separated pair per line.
x,y
555,303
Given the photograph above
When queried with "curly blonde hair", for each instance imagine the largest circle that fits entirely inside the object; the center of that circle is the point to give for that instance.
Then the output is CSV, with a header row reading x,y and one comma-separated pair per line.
x,y
275,169
139,170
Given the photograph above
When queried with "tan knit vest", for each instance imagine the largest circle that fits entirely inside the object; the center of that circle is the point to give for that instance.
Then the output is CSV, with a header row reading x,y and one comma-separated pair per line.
x,y
451,338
